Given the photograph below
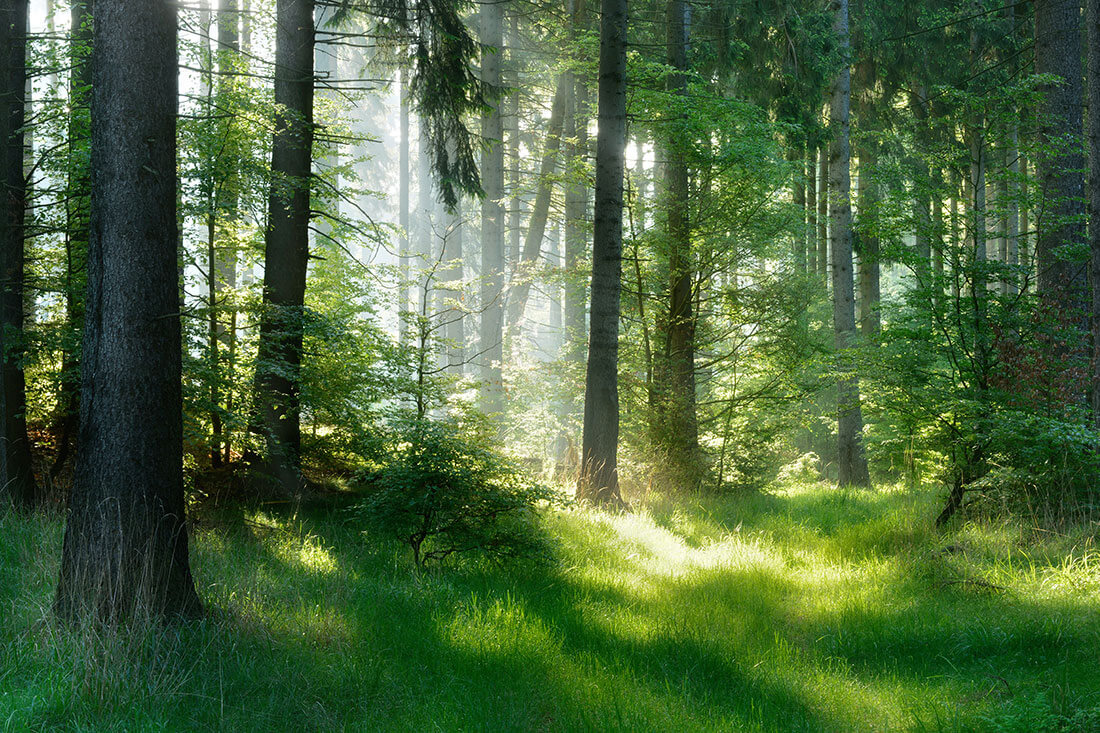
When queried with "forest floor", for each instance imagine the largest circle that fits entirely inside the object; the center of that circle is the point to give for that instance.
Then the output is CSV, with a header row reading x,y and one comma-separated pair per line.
x,y
807,608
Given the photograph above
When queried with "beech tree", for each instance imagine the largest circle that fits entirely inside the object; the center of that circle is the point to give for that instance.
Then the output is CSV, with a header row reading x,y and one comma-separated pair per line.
x,y
125,548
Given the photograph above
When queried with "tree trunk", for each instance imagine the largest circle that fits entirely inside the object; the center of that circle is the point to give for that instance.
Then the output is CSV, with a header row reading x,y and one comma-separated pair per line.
x,y
1062,278
599,475
536,225
823,214
852,462
811,210
16,472
286,256
870,321
491,350
576,233
228,206
125,548
403,208
680,427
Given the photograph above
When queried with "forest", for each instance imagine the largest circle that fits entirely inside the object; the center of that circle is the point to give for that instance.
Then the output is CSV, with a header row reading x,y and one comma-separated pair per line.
x,y
671,365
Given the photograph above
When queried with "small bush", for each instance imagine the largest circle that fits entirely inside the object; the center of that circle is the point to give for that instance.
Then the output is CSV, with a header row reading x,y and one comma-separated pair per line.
x,y
443,493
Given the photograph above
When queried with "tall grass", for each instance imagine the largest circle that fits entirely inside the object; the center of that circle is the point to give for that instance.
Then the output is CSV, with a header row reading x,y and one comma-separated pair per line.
x,y
805,609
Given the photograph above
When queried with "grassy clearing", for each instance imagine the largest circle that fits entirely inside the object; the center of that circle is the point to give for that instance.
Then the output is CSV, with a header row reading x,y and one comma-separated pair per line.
x,y
807,609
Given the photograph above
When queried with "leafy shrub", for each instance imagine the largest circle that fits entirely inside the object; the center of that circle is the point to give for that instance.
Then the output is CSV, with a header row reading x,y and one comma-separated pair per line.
x,y
442,493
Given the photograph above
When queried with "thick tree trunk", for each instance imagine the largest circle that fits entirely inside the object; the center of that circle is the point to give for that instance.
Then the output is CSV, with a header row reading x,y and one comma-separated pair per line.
x,y
536,225
16,472
125,549
852,462
491,349
278,370
599,475
1062,278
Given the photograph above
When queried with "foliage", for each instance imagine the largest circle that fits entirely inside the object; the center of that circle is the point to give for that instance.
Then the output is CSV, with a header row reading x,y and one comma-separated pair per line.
x,y
443,492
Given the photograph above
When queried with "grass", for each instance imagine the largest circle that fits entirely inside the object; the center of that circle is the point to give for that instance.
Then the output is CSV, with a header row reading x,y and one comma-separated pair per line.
x,y
805,609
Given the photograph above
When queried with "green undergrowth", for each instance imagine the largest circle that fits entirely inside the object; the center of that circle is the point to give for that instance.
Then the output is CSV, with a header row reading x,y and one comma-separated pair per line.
x,y
807,608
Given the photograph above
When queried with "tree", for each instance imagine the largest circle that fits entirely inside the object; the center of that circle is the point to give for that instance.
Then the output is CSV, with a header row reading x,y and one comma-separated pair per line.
x,y
16,473
1060,168
125,547
492,213
599,477
852,463
286,253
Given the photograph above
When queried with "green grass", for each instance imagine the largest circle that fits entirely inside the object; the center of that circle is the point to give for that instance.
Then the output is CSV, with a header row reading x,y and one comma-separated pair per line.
x,y
806,609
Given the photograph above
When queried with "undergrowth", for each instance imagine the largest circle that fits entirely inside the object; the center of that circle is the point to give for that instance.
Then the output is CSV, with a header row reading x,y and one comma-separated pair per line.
x,y
807,608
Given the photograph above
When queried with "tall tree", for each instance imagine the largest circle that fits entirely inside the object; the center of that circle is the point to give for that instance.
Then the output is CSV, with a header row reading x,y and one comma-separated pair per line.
x,y
125,548
16,473
286,254
1060,225
852,462
492,213
599,475
680,425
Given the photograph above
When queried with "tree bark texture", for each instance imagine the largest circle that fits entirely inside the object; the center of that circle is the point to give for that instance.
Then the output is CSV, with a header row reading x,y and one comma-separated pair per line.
x,y
851,460
16,471
286,256
491,349
599,475
125,547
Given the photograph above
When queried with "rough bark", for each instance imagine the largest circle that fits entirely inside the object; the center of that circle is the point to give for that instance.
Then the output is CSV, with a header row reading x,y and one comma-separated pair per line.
x,y
851,460
16,472
491,349
1060,222
125,548
599,476
286,255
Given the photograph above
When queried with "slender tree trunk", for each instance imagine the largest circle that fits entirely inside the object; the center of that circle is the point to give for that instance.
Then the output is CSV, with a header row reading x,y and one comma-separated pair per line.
x,y
540,212
1027,257
286,256
1062,279
811,210
577,227
599,475
852,462
450,293
491,339
798,198
823,263
403,207
125,548
870,321
16,471
228,207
